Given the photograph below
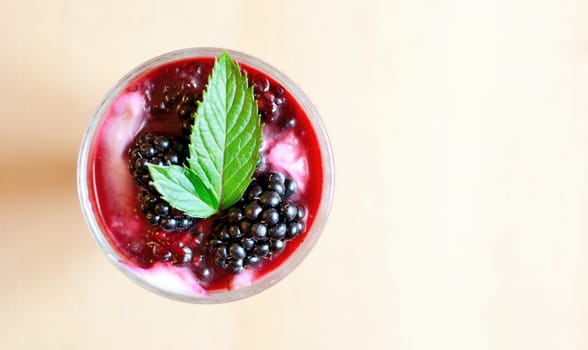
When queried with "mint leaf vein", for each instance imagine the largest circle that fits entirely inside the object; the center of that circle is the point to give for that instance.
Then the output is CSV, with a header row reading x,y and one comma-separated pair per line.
x,y
226,137
224,147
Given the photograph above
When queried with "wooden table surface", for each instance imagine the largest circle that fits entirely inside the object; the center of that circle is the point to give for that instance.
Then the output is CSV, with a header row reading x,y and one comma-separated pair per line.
x,y
459,132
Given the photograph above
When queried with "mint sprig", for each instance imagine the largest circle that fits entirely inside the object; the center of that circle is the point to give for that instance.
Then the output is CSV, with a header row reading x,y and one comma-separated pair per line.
x,y
224,147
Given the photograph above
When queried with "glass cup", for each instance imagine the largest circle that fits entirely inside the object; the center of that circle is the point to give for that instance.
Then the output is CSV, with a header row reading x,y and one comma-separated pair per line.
x,y
270,278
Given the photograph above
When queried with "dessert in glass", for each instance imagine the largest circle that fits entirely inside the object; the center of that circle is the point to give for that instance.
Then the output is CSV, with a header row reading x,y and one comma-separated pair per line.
x,y
148,118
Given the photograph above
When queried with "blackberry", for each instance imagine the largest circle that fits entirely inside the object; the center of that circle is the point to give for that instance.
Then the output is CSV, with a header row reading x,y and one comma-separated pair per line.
x,y
278,231
290,186
258,226
156,148
289,211
158,212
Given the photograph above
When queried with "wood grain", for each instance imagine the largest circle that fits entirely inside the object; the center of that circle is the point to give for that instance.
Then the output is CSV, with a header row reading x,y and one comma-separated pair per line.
x,y
459,132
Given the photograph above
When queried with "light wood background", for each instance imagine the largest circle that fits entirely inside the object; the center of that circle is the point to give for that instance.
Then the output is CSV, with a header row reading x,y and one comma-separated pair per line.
x,y
459,130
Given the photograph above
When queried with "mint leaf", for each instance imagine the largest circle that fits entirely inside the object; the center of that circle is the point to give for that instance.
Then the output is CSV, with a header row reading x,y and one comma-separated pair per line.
x,y
180,187
224,147
226,137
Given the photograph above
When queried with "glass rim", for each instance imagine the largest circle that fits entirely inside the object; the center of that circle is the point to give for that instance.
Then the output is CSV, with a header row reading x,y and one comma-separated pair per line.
x,y
273,276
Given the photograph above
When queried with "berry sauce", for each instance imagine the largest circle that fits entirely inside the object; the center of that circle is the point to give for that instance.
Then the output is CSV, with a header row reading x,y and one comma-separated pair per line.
x,y
163,100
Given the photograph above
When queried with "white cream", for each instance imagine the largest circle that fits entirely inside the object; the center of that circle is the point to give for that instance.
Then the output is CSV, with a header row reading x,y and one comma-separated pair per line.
x,y
122,122
285,154
243,279
170,278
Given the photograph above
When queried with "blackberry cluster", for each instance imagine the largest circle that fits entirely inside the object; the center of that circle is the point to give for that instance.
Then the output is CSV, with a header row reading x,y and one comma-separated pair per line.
x,y
160,149
258,226
154,148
